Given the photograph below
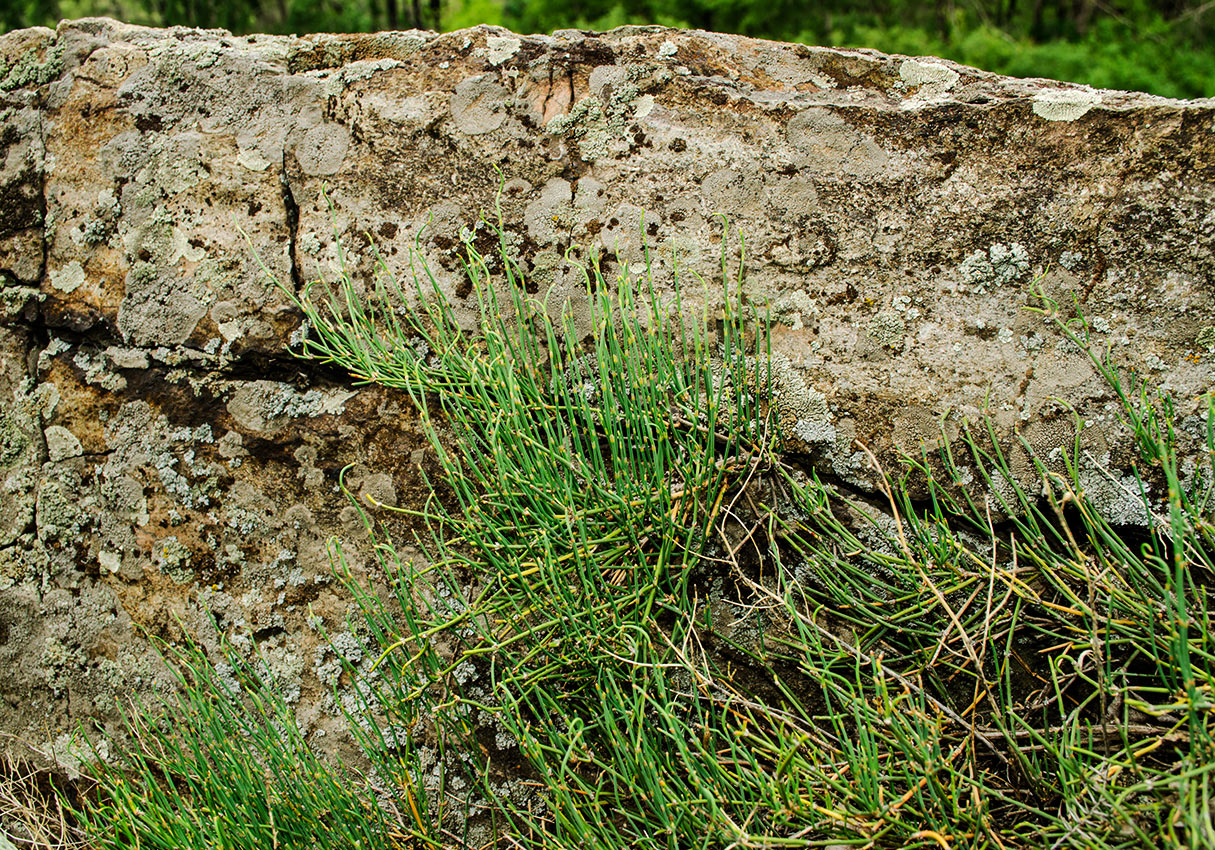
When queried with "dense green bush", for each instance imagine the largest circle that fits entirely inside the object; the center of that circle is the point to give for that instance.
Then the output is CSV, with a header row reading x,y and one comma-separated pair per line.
x,y
1108,56
1162,48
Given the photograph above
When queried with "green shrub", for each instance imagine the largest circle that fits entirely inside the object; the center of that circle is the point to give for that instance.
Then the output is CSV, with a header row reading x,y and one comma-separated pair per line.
x,y
222,764
641,623
694,642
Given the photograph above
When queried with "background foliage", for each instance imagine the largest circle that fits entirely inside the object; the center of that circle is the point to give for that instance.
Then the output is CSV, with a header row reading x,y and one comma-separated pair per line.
x,y
1158,46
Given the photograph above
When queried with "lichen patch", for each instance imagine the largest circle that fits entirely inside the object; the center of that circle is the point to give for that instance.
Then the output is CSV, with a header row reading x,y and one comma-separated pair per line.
x,y
1065,104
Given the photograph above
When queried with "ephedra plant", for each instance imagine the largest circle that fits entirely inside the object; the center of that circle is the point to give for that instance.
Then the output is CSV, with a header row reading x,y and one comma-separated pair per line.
x,y
639,622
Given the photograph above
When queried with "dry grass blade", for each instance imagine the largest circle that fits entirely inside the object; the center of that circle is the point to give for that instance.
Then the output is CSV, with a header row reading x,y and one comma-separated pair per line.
x,y
32,814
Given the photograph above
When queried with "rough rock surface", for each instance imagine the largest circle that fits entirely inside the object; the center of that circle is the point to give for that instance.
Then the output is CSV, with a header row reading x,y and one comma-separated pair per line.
x,y
163,459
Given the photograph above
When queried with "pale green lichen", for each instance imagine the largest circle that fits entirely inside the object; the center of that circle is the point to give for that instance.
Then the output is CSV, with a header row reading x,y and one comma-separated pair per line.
x,y
13,299
999,265
28,71
1120,500
97,371
283,668
267,405
1206,339
887,330
15,436
596,124
586,123
72,751
365,69
499,48
172,557
803,412
59,516
69,278
792,308
59,662
916,72
1071,259
96,231
1065,105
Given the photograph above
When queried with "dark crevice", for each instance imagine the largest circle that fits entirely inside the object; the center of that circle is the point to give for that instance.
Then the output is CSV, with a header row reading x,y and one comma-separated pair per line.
x,y
37,338
262,635
255,366
42,193
248,365
549,94
41,331
284,368
292,213
37,335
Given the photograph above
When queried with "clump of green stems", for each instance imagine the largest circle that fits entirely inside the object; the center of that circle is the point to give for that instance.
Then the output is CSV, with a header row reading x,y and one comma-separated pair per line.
x,y
635,603
221,764
1046,683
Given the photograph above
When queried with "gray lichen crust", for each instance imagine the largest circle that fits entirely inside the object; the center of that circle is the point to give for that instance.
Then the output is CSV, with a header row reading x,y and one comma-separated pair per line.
x,y
164,462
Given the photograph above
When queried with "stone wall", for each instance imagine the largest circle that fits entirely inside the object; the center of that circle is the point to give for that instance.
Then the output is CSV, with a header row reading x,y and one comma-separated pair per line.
x,y
163,458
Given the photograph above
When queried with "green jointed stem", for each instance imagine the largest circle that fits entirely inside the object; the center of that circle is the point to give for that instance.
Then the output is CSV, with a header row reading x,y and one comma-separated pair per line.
x,y
688,639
